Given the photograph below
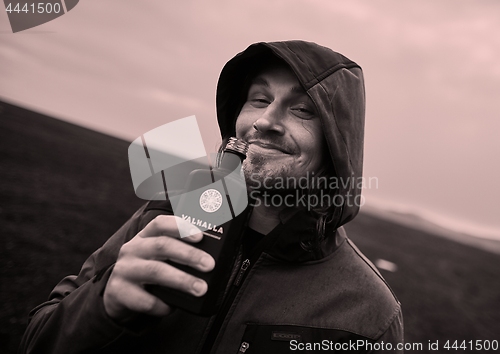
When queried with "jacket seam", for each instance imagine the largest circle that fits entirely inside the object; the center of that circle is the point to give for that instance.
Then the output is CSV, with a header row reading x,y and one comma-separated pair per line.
x,y
336,123
389,322
325,74
298,58
360,255
316,79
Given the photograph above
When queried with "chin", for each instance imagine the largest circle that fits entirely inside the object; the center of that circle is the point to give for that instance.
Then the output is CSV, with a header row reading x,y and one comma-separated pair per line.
x,y
262,176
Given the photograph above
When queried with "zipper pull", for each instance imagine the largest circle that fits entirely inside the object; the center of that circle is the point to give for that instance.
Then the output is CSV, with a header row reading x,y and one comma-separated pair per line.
x,y
244,347
239,277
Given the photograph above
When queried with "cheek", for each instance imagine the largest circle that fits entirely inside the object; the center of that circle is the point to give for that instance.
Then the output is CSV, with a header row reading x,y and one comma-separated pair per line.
x,y
312,142
243,125
309,135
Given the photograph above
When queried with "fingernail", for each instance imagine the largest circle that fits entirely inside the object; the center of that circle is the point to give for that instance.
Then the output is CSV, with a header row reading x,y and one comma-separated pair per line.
x,y
199,287
206,262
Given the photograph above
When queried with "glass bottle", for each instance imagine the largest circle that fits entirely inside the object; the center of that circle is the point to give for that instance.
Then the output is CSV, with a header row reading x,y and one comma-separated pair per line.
x,y
216,202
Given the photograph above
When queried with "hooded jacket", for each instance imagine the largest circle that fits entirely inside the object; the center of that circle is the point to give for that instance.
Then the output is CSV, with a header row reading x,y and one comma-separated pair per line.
x,y
280,298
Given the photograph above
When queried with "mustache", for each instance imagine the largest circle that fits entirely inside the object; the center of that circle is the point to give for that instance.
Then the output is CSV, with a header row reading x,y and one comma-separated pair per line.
x,y
271,141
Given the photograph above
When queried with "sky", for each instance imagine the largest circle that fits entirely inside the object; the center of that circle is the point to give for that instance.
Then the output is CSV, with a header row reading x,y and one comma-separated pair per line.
x,y
432,75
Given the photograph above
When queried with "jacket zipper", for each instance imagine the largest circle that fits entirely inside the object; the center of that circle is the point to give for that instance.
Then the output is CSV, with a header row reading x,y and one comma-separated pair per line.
x,y
243,348
219,320
241,273
235,287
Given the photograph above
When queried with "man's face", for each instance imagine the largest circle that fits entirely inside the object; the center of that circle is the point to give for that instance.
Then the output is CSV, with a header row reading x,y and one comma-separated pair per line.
x,y
280,122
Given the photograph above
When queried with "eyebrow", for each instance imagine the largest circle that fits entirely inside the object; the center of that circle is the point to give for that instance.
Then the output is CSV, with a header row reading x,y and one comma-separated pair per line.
x,y
259,80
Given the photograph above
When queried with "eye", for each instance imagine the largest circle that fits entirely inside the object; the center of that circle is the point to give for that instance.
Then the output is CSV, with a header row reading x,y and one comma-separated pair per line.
x,y
259,101
303,111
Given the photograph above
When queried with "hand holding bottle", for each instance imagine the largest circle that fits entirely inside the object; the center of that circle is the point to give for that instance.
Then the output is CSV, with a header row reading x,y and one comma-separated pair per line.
x,y
142,261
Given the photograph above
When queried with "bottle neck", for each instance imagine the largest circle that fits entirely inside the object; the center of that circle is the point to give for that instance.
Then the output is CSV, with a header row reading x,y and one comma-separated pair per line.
x,y
231,160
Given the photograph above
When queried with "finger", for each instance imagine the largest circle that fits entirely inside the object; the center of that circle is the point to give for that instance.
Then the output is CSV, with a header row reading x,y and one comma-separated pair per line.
x,y
173,226
161,273
138,300
168,248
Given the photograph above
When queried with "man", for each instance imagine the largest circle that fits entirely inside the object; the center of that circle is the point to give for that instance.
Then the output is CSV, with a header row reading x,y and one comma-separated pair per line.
x,y
298,283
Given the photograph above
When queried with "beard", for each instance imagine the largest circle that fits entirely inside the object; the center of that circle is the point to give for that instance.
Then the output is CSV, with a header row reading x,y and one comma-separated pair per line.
x,y
263,174
274,173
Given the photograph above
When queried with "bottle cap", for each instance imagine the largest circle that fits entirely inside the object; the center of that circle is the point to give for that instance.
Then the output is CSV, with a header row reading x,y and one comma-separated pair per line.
x,y
237,145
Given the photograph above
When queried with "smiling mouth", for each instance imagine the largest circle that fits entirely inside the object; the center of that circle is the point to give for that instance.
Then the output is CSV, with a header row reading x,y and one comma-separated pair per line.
x,y
268,146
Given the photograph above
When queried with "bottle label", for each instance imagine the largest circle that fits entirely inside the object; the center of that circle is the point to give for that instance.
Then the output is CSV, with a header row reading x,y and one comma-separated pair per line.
x,y
211,200
213,231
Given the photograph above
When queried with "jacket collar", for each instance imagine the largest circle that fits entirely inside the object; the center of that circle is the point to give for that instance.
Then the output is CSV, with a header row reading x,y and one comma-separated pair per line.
x,y
285,241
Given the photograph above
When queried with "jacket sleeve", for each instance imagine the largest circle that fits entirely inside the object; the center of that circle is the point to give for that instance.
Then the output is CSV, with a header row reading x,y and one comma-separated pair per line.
x,y
74,319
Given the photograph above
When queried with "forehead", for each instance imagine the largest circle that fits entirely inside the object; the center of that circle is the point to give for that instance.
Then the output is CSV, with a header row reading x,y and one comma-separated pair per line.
x,y
278,77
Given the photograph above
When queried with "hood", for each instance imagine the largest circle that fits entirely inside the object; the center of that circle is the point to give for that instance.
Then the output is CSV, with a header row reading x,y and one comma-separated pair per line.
x,y
335,85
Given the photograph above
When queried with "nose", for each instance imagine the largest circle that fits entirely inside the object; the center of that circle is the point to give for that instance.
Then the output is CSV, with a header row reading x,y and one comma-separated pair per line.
x,y
270,121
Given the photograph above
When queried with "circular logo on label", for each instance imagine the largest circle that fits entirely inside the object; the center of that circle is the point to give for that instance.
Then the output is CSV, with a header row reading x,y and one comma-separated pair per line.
x,y
211,200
